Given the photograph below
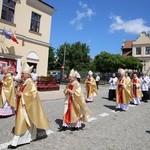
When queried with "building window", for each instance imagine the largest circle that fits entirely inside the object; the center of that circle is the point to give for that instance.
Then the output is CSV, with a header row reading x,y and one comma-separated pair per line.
x,y
147,52
8,10
138,50
35,22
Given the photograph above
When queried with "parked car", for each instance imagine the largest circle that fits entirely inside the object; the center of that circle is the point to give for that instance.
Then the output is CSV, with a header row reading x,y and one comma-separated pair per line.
x,y
57,76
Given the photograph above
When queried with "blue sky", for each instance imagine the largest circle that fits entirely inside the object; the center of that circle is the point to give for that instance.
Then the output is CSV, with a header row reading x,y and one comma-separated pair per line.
x,y
102,24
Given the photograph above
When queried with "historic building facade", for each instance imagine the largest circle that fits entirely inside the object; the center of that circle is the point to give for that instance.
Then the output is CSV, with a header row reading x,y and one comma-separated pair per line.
x,y
139,48
30,20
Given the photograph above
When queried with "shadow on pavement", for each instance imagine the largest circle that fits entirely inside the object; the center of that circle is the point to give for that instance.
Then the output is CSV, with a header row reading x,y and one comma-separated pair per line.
x,y
83,125
105,98
112,107
148,131
59,122
41,134
109,99
4,117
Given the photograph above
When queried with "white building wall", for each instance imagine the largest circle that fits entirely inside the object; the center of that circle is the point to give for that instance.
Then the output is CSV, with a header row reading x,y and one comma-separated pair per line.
x,y
28,42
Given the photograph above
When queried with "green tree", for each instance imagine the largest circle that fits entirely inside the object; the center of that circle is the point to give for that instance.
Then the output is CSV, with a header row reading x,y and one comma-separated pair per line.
x,y
102,62
74,55
51,58
92,65
133,63
106,62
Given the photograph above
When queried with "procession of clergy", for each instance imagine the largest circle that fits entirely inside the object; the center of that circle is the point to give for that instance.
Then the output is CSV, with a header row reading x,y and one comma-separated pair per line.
x,y
24,101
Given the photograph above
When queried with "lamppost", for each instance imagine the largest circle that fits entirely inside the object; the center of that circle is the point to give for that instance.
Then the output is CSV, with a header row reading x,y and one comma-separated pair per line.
x,y
63,67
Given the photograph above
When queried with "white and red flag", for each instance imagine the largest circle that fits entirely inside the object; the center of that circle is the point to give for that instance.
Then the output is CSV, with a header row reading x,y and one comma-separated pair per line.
x,y
10,35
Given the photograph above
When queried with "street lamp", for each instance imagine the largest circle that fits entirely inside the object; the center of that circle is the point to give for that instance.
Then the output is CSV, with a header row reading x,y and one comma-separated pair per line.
x,y
63,67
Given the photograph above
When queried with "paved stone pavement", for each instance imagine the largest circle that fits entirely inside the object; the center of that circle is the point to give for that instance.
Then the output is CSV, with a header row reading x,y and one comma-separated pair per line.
x,y
106,129
52,95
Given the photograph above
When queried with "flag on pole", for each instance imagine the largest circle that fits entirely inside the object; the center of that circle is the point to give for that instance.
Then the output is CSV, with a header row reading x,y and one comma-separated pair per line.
x,y
10,35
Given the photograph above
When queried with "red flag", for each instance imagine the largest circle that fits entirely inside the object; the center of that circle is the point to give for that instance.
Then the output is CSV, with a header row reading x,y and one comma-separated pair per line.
x,y
14,39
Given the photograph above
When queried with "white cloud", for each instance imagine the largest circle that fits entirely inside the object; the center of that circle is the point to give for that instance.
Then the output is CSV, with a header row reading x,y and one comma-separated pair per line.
x,y
134,26
83,5
84,13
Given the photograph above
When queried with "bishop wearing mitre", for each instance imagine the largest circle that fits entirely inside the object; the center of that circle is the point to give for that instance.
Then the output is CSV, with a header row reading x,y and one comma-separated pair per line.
x,y
29,113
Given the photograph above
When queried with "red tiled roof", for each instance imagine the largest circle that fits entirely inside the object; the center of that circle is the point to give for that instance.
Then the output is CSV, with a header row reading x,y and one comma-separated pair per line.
x,y
128,44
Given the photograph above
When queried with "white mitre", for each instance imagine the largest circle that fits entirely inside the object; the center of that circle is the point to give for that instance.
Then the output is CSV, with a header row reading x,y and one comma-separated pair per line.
x,y
120,70
130,71
73,73
26,68
90,73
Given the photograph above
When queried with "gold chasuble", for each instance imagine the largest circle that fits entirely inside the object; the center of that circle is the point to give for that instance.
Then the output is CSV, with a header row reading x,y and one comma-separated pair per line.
x,y
123,91
91,87
136,88
75,105
29,109
7,93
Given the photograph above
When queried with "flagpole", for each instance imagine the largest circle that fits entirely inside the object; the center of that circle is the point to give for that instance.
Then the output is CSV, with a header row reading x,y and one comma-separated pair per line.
x,y
64,63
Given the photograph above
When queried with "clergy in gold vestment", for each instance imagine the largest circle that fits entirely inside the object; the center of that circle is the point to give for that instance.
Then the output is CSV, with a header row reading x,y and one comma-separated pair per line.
x,y
128,73
29,113
76,111
136,91
91,87
7,94
123,96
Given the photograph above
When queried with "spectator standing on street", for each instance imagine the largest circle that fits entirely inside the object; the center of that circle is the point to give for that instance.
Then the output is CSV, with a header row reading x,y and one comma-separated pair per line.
x,y
29,114
123,96
91,88
112,87
34,76
75,111
97,79
145,82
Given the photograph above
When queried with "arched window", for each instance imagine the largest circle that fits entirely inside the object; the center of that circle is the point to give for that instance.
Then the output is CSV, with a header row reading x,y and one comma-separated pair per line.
x,y
32,55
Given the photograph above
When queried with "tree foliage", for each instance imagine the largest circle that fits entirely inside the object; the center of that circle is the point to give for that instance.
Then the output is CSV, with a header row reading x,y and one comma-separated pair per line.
x,y
51,59
77,56
106,62
74,55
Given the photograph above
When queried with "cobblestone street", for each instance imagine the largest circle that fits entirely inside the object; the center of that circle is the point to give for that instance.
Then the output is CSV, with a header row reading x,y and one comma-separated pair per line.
x,y
106,129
